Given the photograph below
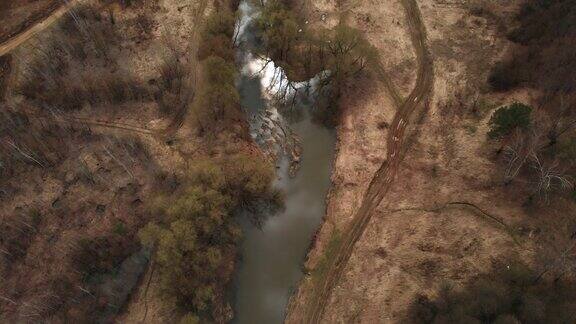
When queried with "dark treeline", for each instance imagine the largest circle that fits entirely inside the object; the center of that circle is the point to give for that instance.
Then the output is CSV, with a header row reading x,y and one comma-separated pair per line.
x,y
513,294
546,55
74,68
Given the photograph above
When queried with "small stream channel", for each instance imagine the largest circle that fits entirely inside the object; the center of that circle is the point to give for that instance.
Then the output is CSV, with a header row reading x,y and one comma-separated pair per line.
x,y
272,256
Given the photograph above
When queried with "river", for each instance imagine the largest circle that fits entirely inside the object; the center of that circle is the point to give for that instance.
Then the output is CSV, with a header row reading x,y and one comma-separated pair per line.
x,y
272,255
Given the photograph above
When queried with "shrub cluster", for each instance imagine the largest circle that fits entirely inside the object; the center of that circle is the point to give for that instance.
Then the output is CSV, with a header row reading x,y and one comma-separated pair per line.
x,y
507,118
70,71
100,255
218,35
173,91
508,296
219,101
196,240
344,52
5,70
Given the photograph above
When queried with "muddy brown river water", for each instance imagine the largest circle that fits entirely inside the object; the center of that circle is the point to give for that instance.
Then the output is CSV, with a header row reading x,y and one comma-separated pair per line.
x,y
273,255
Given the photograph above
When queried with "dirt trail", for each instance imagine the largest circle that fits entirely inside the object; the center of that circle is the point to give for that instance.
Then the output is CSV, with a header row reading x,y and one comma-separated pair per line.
x,y
384,177
178,118
60,118
109,124
17,40
180,115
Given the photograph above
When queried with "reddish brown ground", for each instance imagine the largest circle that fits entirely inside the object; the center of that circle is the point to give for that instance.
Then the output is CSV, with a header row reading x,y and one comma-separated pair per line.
x,y
88,173
415,242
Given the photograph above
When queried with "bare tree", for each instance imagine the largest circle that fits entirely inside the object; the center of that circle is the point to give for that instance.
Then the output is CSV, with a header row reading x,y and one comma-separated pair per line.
x,y
518,150
549,177
522,150
561,123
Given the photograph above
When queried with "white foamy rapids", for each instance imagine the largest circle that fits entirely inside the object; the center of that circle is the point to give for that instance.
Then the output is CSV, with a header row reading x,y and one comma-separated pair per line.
x,y
275,83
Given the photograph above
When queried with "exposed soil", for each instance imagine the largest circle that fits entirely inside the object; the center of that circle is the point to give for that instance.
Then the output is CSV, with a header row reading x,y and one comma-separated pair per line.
x,y
384,177
413,241
18,15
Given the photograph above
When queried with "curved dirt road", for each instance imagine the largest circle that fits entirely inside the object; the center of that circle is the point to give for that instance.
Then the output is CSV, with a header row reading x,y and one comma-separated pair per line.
x,y
384,177
17,40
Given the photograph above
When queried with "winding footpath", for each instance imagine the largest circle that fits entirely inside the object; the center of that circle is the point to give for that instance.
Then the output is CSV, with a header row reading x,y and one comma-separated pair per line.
x,y
384,177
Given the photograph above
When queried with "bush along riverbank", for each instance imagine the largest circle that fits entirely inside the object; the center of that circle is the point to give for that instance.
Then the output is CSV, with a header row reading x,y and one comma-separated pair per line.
x,y
340,56
195,234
